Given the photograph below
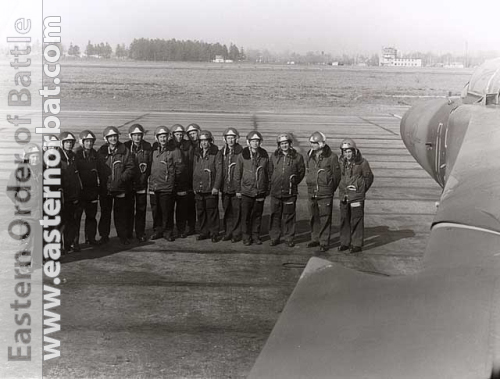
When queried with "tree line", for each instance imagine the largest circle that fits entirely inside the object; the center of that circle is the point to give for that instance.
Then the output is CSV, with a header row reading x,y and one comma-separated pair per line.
x,y
99,50
144,49
175,50
198,51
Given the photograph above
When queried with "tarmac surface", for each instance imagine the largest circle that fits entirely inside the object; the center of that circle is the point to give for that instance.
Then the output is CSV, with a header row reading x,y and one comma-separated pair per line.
x,y
189,309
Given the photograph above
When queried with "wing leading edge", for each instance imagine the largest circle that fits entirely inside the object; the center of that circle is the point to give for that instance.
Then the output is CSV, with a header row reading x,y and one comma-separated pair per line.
x,y
441,323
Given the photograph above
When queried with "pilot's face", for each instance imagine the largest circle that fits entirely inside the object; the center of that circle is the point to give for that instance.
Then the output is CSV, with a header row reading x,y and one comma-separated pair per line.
x,y
113,140
284,146
193,135
315,146
88,144
204,143
254,143
178,136
349,154
136,138
68,145
230,140
34,159
162,139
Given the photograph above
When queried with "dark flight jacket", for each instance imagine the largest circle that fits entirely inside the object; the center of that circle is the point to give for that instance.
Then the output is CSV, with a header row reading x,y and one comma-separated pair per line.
x,y
286,172
185,176
93,172
229,158
121,168
70,180
252,173
166,167
142,159
207,170
356,173
322,172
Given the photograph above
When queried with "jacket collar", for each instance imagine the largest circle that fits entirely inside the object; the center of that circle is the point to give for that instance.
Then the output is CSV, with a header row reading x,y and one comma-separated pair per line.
x,y
183,145
237,149
325,152
292,153
358,158
82,152
260,153
157,147
212,150
66,155
120,149
142,146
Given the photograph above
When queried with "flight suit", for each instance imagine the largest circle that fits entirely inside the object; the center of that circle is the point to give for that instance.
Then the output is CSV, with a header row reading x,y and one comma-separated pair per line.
x,y
71,188
138,196
92,172
120,170
183,190
230,202
191,201
356,180
286,171
252,181
207,175
166,168
322,178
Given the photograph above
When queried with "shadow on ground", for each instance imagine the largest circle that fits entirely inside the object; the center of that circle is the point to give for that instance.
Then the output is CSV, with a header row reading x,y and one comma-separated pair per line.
x,y
374,237
382,235
112,247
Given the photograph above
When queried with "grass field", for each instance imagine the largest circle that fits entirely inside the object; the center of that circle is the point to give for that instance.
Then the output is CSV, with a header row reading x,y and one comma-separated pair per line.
x,y
160,86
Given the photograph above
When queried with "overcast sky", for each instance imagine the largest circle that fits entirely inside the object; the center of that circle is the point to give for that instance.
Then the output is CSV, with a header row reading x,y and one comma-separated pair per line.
x,y
332,26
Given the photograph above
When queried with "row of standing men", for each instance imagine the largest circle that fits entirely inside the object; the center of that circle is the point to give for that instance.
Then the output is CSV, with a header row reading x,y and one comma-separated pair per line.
x,y
184,173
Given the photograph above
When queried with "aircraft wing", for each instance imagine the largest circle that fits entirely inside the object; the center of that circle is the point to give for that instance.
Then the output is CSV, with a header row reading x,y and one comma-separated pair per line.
x,y
443,322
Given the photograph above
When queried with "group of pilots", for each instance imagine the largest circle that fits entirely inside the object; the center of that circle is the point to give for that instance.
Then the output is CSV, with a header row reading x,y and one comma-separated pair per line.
x,y
184,173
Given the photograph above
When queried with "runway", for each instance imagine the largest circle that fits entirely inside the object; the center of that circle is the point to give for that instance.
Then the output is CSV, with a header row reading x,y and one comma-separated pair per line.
x,y
187,309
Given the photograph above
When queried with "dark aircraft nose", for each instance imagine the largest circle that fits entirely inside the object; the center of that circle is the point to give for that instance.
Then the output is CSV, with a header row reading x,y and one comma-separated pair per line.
x,y
423,130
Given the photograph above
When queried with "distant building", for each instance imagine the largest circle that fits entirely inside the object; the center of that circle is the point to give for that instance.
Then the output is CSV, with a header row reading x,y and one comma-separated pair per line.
x,y
454,65
389,54
220,59
390,58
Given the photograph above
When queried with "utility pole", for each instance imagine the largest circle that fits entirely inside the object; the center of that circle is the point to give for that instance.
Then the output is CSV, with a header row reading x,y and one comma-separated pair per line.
x,y
466,51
